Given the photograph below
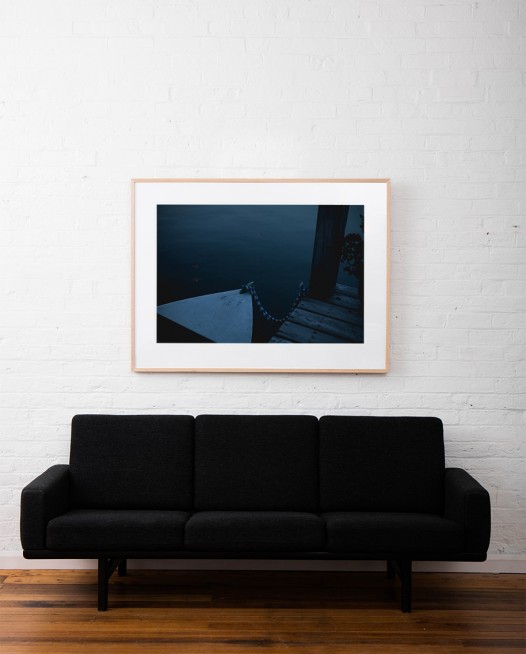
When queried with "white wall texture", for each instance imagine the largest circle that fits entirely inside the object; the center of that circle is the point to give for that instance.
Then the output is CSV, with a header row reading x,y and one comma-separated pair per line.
x,y
426,92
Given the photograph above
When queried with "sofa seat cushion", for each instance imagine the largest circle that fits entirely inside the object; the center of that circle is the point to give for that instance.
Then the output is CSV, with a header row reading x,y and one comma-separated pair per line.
x,y
102,529
255,531
392,532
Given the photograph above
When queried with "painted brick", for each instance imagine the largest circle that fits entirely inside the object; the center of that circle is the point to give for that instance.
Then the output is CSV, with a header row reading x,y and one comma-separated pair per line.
x,y
426,93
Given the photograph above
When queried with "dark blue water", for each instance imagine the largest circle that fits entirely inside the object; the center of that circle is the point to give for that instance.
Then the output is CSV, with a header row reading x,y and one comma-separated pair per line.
x,y
208,249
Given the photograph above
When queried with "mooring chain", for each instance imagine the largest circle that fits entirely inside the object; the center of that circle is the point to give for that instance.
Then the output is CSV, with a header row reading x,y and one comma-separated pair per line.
x,y
251,288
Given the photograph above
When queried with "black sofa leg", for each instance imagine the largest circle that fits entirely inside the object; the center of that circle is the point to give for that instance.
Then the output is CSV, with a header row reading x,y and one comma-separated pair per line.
x,y
102,604
106,568
122,568
402,568
405,567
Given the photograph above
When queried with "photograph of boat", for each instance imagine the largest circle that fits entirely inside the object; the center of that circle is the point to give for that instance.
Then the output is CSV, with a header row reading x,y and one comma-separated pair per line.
x,y
260,273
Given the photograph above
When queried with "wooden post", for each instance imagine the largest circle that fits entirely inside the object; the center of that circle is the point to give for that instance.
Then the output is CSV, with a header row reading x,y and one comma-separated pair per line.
x,y
328,242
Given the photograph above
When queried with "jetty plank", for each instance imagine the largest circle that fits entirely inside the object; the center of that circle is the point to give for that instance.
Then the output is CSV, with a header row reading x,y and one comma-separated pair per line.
x,y
301,334
331,311
342,300
346,290
327,325
336,320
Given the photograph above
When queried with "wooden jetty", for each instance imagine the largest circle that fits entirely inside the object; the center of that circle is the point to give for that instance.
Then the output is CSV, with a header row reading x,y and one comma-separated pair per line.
x,y
332,312
337,319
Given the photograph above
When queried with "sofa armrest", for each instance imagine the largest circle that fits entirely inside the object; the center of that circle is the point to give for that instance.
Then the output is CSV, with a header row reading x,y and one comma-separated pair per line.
x,y
468,503
42,499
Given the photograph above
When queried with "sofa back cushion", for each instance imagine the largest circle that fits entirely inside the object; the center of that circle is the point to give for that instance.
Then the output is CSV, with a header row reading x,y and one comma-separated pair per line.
x,y
256,463
381,464
132,462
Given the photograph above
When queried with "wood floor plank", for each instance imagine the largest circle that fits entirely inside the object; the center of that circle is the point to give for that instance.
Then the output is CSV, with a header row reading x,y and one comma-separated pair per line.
x,y
242,612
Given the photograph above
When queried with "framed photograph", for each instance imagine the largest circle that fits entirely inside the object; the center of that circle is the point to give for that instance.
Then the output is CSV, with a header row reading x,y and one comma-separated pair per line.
x,y
256,275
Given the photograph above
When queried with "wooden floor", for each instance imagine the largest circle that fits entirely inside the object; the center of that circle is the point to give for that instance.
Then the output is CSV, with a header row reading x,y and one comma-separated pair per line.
x,y
336,320
54,612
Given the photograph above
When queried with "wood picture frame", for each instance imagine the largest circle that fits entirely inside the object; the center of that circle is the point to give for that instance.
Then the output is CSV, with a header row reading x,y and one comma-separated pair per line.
x,y
260,275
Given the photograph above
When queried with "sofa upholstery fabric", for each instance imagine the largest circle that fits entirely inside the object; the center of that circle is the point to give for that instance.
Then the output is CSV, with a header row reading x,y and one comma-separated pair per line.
x,y
132,462
255,531
103,529
256,463
381,464
42,499
392,532
466,502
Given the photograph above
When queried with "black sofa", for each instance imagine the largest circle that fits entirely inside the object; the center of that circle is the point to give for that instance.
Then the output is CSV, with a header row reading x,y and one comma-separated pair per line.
x,y
255,487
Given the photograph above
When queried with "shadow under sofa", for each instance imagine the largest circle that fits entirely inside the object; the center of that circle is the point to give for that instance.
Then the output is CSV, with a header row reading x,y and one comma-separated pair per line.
x,y
255,487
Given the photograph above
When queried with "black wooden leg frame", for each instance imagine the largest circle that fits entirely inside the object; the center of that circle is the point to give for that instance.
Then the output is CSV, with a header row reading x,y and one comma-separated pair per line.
x,y
106,568
403,569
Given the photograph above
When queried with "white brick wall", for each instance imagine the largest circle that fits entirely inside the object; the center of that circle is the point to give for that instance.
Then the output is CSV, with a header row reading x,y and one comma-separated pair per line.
x,y
427,92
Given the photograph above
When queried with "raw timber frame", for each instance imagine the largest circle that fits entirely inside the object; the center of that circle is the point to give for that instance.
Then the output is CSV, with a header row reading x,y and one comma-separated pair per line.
x,y
370,354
